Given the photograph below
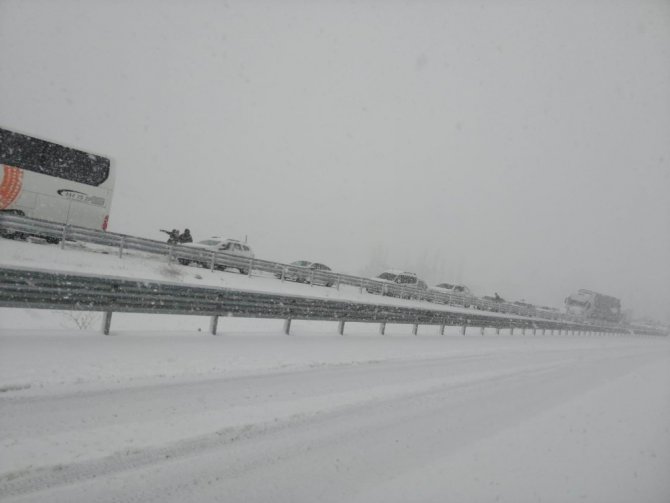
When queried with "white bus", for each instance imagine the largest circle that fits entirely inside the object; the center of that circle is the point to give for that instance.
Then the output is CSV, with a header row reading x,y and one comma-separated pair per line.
x,y
40,179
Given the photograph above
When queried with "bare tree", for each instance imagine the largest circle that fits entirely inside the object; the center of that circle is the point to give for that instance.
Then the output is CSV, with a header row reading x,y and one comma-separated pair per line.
x,y
81,320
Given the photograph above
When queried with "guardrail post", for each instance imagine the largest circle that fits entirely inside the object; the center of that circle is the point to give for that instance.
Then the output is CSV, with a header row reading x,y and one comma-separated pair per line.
x,y
106,322
511,330
311,278
121,245
523,330
382,328
463,328
283,273
415,329
481,331
360,290
534,331
63,237
442,329
212,261
213,323
170,251
287,326
340,327
497,330
251,266
338,282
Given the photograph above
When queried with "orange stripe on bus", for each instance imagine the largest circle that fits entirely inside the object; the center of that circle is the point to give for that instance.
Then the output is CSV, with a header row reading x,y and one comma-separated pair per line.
x,y
10,188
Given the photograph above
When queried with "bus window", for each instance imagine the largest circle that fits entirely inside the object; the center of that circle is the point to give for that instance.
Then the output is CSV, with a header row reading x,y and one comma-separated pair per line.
x,y
51,159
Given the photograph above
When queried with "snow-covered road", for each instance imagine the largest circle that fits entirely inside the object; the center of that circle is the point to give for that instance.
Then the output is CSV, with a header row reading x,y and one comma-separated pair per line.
x,y
348,419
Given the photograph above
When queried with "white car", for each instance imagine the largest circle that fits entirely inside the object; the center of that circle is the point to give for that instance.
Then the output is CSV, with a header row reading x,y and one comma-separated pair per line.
x,y
218,244
460,294
302,272
397,278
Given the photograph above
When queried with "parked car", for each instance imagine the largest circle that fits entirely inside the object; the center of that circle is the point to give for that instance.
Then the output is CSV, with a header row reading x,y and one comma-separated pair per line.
x,y
216,244
549,312
304,271
459,294
449,288
398,279
523,308
494,303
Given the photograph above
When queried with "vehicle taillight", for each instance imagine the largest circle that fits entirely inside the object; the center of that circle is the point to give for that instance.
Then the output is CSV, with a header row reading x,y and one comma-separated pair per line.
x,y
104,223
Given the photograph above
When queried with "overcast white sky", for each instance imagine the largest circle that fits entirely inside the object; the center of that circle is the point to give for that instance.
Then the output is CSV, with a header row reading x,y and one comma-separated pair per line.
x,y
519,146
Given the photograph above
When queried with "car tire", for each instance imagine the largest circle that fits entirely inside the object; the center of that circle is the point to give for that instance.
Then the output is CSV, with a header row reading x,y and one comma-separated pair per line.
x,y
183,261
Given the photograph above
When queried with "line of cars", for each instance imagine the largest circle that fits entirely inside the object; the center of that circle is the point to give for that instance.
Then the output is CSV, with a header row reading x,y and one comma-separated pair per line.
x,y
301,271
392,282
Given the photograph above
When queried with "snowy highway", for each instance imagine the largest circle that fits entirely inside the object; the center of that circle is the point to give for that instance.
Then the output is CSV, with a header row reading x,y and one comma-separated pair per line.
x,y
270,418
334,252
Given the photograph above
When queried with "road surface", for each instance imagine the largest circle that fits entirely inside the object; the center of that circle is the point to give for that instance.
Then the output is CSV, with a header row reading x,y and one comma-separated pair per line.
x,y
566,423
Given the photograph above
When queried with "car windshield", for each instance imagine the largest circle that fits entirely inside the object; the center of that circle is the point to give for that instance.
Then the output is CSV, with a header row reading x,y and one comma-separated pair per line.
x,y
209,242
387,276
406,280
445,285
301,263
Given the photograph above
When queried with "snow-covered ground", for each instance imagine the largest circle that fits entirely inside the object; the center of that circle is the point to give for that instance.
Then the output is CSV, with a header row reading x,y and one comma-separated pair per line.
x,y
163,412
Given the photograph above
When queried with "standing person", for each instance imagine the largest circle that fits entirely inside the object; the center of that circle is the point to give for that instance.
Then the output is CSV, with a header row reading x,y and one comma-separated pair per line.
x,y
173,236
185,237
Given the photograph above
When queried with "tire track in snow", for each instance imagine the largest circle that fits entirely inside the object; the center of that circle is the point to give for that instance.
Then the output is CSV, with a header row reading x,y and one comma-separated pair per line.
x,y
43,478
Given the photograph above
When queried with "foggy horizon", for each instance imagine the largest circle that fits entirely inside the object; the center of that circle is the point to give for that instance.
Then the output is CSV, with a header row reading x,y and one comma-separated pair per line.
x,y
519,148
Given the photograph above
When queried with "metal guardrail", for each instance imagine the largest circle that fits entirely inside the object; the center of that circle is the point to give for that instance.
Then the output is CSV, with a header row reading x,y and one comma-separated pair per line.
x,y
10,224
40,289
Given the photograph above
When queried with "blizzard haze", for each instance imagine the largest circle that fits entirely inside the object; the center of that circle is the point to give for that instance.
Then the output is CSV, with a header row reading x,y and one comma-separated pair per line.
x,y
519,147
